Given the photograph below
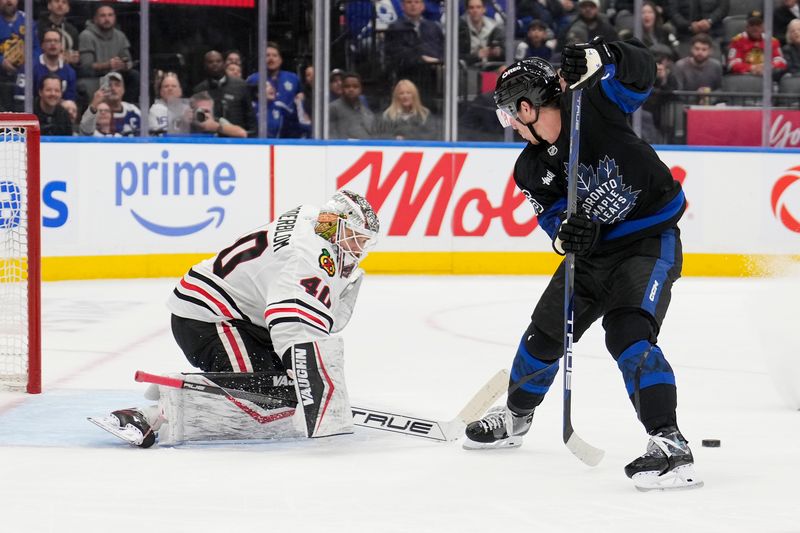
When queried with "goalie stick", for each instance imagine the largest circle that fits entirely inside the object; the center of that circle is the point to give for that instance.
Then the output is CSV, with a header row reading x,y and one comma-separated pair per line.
x,y
580,448
277,397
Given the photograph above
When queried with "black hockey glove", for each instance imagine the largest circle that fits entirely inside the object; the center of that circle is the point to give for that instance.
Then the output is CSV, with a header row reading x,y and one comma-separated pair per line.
x,y
578,235
582,64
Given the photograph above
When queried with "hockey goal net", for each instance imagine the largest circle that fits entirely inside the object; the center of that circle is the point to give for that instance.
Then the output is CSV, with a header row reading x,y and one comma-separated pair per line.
x,y
20,346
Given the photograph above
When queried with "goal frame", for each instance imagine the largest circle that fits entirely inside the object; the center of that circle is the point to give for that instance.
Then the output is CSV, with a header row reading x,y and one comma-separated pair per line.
x,y
33,197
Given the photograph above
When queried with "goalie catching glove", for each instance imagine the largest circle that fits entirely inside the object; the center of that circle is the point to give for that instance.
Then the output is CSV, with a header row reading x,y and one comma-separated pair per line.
x,y
577,235
583,64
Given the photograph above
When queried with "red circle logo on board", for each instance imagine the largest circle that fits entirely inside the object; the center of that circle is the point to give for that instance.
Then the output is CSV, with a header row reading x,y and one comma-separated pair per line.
x,y
779,208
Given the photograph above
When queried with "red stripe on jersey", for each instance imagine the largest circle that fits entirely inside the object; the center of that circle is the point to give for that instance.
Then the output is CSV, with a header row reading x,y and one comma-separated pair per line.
x,y
321,365
224,310
297,311
235,345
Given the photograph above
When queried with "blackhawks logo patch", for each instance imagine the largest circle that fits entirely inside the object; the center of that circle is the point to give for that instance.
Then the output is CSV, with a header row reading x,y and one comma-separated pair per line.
x,y
326,263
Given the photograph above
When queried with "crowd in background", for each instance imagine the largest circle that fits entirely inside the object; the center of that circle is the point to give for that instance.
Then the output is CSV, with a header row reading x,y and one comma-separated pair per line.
x,y
388,80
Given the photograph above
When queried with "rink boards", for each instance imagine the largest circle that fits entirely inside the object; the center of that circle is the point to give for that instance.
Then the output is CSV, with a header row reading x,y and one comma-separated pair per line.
x,y
136,208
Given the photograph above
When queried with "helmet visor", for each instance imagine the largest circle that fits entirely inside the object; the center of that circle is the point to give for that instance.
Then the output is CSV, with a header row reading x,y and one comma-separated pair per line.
x,y
504,118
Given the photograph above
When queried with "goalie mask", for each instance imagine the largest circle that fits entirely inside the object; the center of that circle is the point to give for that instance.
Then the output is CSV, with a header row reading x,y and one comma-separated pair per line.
x,y
349,223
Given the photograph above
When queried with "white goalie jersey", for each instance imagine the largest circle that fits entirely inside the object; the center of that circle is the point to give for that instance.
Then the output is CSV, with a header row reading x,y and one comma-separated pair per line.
x,y
282,276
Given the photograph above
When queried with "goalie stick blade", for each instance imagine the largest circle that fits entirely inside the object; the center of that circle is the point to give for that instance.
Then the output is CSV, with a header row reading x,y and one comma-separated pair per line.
x,y
438,430
406,425
484,398
584,451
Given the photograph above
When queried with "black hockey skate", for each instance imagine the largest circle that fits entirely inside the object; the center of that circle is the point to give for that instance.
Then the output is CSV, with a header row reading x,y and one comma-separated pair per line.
x,y
500,428
667,464
129,425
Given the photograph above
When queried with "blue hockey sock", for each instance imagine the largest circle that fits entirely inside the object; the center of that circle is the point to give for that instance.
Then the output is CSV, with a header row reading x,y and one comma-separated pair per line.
x,y
655,369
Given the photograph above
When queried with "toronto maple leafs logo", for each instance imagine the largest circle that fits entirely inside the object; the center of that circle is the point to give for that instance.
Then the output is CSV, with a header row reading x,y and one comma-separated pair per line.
x,y
602,194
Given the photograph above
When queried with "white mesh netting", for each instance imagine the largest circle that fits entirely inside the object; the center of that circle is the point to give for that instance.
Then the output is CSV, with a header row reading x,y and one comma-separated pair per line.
x,y
13,257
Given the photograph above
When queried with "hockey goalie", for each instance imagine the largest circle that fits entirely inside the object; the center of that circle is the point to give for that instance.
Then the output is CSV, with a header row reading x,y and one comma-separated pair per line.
x,y
258,320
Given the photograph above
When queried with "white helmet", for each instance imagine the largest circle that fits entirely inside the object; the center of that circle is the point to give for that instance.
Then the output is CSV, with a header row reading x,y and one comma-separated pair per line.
x,y
351,225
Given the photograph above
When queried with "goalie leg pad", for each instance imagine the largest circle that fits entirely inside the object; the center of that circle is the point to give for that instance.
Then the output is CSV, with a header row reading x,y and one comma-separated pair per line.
x,y
192,416
317,369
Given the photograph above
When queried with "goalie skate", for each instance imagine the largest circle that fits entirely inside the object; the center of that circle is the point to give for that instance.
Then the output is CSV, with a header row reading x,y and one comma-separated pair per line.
x,y
129,425
667,464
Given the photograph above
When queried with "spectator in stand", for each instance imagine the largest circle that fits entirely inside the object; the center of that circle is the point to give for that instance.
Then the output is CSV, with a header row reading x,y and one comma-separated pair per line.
x,y
480,39
746,53
535,43
233,56
233,64
231,96
12,51
788,11
104,122
126,117
305,98
414,47
349,118
406,117
659,37
699,71
53,119
690,17
104,49
233,70
592,23
792,48
286,83
170,112
55,18
282,120
51,61
551,12
335,81
205,121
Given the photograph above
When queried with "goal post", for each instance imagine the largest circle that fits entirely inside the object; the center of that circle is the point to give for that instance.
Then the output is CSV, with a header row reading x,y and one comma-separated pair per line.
x,y
20,254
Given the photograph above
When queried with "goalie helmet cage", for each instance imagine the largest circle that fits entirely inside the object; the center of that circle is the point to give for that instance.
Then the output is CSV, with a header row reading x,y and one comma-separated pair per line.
x,y
20,258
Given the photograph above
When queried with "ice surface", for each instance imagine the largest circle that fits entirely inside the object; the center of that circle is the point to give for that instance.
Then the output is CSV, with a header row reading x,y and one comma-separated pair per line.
x,y
422,346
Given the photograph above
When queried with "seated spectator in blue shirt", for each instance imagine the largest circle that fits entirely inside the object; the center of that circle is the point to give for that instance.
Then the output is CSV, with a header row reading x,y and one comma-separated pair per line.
x,y
535,43
282,120
286,83
51,61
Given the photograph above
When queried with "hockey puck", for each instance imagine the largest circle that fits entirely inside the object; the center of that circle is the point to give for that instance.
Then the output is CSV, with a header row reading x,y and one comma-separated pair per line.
x,y
711,443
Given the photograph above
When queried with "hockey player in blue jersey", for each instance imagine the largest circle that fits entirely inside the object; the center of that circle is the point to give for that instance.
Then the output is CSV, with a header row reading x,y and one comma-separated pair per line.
x,y
624,235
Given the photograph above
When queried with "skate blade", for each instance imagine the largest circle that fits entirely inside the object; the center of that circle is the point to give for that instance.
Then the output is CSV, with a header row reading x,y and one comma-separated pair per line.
x,y
510,442
681,478
110,423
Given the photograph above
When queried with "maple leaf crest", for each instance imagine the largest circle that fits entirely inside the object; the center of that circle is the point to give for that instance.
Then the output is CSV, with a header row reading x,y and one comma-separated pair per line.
x,y
602,194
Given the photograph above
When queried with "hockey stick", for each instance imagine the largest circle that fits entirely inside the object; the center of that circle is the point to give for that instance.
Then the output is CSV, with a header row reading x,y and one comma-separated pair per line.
x,y
362,416
580,448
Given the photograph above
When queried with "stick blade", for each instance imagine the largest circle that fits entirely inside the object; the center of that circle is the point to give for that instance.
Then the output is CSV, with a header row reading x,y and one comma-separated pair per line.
x,y
484,398
584,451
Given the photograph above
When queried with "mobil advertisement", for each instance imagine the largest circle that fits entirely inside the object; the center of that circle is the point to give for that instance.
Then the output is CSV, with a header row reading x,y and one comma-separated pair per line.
x,y
149,198
443,208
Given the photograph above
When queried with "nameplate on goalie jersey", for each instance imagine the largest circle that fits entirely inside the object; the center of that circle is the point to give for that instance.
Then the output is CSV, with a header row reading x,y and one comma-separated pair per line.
x,y
417,427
